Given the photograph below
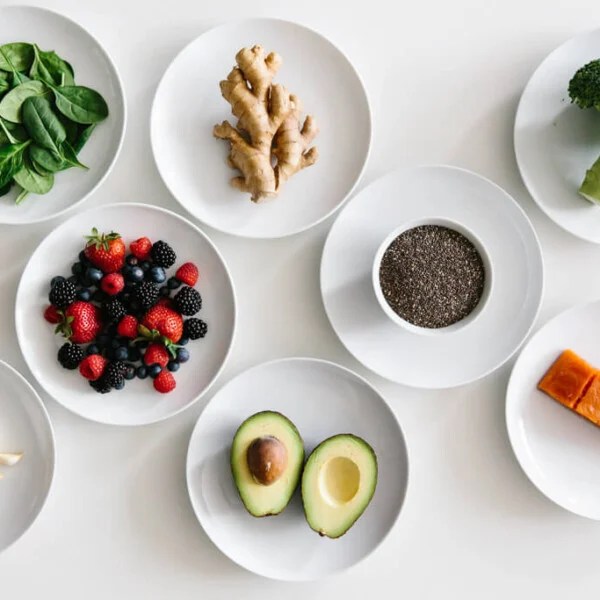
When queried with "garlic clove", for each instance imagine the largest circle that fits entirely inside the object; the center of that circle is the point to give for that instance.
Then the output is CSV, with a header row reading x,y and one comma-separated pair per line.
x,y
10,458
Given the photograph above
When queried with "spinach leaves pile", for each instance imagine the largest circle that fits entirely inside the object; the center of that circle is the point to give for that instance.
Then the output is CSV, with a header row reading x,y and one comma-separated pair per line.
x,y
45,119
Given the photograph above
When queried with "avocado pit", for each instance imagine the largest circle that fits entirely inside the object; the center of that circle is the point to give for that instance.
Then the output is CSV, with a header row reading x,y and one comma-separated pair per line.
x,y
267,459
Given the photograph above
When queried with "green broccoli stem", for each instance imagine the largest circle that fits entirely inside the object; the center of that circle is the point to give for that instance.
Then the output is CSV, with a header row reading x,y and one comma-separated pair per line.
x,y
590,187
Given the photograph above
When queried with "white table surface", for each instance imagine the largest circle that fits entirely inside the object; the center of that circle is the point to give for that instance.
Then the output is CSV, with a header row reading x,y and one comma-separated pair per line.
x,y
444,79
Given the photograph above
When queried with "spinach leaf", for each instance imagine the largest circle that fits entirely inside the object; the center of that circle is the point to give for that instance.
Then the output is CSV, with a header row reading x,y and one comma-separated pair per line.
x,y
11,161
10,105
4,85
39,168
83,137
47,160
51,68
17,56
80,104
6,134
22,195
69,155
42,124
71,128
5,189
29,179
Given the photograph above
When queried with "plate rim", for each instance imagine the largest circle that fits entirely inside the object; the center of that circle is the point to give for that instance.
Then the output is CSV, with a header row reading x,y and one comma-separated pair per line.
x,y
509,404
527,182
121,90
181,218
331,365
369,113
46,418
470,173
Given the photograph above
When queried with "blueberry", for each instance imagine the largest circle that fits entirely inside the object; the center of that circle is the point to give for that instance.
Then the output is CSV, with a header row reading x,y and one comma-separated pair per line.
x,y
145,265
157,274
164,291
136,275
173,283
92,349
73,279
183,355
131,260
173,366
85,281
84,294
134,354
154,370
83,258
183,341
120,384
94,274
121,353
126,271
55,280
114,344
77,268
142,372
103,339
142,343
129,372
99,296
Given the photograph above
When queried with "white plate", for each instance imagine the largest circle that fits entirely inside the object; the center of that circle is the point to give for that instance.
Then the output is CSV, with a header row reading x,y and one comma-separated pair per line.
x,y
559,451
192,162
24,427
556,141
322,399
94,68
449,359
138,403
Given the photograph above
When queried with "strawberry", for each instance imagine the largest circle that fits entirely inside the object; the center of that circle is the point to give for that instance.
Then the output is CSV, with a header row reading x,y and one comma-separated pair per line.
x,y
92,367
128,327
188,274
80,322
156,354
52,315
164,382
105,251
141,248
112,284
166,321
162,301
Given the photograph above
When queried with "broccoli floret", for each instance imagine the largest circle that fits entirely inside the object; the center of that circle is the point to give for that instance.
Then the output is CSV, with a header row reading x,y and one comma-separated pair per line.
x,y
590,188
584,87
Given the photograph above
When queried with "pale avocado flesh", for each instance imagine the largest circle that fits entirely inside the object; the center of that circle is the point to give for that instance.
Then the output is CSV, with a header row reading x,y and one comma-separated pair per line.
x,y
338,482
263,500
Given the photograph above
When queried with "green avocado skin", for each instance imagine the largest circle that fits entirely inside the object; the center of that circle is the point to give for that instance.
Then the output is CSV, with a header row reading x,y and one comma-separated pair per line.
x,y
353,517
237,469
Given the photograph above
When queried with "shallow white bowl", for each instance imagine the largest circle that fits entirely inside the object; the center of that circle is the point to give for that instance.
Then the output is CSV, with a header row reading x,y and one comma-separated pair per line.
x,y
94,68
487,286
138,403
558,450
192,162
556,141
321,399
24,427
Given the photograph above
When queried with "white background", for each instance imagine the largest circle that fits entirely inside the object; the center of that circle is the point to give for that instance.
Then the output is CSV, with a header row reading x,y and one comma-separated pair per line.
x,y
444,79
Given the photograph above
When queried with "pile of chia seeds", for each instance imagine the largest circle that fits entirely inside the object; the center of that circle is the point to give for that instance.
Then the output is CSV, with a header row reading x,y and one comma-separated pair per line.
x,y
432,276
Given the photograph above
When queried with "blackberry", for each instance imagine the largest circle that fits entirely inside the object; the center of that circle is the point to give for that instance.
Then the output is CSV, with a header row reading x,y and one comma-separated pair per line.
x,y
101,385
115,373
70,355
163,255
194,329
146,295
114,309
188,301
62,294
55,280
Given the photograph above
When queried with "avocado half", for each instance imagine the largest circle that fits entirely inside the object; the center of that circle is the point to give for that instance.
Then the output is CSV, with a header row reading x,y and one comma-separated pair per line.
x,y
275,430
338,482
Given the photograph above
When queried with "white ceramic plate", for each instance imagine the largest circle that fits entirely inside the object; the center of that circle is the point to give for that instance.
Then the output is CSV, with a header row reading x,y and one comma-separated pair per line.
x,y
449,359
94,68
192,162
322,399
138,403
556,141
557,449
24,427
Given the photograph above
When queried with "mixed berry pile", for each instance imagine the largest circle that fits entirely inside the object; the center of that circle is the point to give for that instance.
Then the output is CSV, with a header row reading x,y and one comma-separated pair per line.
x,y
123,316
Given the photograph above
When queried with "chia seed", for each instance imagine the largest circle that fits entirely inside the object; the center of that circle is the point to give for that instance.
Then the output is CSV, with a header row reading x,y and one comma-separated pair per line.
x,y
432,276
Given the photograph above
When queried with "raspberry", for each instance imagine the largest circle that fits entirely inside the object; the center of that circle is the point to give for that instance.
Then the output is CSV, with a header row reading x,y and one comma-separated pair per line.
x,y
92,367
112,284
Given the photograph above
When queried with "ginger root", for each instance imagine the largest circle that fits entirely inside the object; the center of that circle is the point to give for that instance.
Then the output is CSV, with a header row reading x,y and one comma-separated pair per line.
x,y
269,144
